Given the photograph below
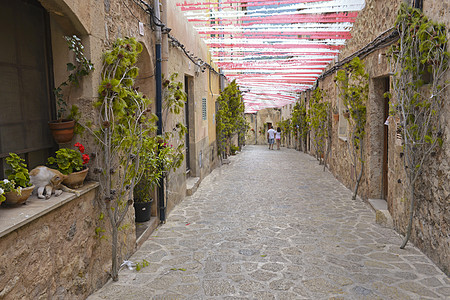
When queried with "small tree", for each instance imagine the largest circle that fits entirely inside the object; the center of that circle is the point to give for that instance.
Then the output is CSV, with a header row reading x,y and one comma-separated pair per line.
x,y
230,117
421,52
318,121
353,82
299,123
124,122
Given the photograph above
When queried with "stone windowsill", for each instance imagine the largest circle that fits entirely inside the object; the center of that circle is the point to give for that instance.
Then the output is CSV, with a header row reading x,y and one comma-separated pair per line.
x,y
12,218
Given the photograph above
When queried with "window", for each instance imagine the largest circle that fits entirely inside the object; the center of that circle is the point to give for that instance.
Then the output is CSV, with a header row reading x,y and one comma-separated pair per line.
x,y
25,96
343,122
204,108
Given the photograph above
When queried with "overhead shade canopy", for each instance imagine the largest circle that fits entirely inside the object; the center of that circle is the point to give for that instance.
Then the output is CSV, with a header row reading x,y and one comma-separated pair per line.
x,y
273,48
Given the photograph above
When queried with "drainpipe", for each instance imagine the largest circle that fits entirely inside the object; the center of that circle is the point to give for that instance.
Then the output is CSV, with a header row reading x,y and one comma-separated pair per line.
x,y
161,200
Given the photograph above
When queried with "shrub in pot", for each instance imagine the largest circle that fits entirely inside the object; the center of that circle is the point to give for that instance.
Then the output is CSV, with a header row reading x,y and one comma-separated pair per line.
x,y
63,127
72,163
18,174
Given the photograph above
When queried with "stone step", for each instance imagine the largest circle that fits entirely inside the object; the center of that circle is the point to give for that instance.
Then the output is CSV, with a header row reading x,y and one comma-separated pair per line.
x,y
382,215
192,184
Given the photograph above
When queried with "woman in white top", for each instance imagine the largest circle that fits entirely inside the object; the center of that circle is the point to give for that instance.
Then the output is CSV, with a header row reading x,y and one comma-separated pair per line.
x,y
278,137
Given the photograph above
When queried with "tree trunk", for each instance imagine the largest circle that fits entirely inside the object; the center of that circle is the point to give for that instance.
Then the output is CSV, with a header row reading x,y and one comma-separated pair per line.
x,y
411,215
114,266
358,180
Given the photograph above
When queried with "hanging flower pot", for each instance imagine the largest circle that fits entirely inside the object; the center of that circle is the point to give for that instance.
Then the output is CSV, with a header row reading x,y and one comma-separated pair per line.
x,y
75,180
62,131
336,117
16,198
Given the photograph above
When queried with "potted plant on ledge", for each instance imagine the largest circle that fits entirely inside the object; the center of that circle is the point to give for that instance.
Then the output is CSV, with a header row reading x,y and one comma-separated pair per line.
x,y
72,163
17,188
63,127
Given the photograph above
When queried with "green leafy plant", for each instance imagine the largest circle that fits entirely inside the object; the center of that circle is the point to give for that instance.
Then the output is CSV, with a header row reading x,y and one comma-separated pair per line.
x,y
18,172
69,160
353,84
81,68
420,61
230,117
299,123
318,119
124,120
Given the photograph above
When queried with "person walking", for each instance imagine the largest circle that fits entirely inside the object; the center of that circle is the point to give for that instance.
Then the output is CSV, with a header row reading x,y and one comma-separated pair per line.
x,y
278,137
271,136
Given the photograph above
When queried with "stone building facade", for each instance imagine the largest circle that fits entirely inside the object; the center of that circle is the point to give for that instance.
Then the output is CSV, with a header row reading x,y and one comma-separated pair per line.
x,y
259,122
383,174
59,239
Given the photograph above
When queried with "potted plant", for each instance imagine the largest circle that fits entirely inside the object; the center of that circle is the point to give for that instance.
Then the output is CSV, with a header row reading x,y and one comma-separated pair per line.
x,y
72,163
335,113
19,177
5,187
63,127
149,175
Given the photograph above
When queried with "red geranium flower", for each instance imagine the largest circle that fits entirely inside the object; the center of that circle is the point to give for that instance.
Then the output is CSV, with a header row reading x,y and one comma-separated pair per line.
x,y
85,158
80,147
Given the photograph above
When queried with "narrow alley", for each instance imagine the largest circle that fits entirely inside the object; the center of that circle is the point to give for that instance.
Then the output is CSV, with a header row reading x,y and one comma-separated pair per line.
x,y
274,225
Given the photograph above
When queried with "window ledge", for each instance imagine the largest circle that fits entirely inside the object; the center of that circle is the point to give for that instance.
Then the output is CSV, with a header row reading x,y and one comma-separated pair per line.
x,y
12,218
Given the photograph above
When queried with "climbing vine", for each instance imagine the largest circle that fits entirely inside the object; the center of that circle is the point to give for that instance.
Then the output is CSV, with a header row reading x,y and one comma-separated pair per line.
x,y
419,60
299,123
353,83
230,117
318,122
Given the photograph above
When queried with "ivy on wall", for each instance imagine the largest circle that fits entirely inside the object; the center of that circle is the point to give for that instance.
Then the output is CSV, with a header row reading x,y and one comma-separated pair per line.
x,y
353,84
420,61
318,115
299,123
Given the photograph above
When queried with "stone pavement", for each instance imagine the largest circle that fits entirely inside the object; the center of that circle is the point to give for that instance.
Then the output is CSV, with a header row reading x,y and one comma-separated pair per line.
x,y
274,225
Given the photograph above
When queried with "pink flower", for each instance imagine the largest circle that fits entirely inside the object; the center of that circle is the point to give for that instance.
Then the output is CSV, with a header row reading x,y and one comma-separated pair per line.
x,y
80,147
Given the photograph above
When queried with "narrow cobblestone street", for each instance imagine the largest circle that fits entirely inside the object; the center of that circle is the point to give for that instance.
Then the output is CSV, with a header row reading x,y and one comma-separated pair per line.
x,y
274,225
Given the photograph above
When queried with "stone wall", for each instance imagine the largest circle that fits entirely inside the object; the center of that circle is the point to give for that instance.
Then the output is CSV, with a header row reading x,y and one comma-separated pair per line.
x,y
58,255
431,221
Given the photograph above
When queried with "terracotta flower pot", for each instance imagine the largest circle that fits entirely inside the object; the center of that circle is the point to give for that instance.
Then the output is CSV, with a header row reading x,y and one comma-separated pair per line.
x,y
13,198
75,180
62,131
336,117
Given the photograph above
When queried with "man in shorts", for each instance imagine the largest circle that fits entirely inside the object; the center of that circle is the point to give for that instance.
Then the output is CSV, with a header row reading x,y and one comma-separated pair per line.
x,y
271,136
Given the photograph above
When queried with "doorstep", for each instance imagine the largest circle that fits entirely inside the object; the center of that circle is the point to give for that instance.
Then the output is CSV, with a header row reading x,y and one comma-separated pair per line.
x,y
382,215
192,184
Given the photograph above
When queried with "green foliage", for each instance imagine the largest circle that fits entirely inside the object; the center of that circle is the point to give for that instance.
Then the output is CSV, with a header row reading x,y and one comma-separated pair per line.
x,y
318,120
81,68
420,61
140,265
299,120
230,116
173,94
353,82
233,149
66,161
18,172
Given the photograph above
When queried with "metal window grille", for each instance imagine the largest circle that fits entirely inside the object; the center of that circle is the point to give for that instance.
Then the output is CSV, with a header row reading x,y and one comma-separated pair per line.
x,y
204,108
25,70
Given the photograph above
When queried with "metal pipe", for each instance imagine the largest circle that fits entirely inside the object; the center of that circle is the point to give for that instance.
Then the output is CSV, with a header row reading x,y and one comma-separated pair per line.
x,y
158,77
